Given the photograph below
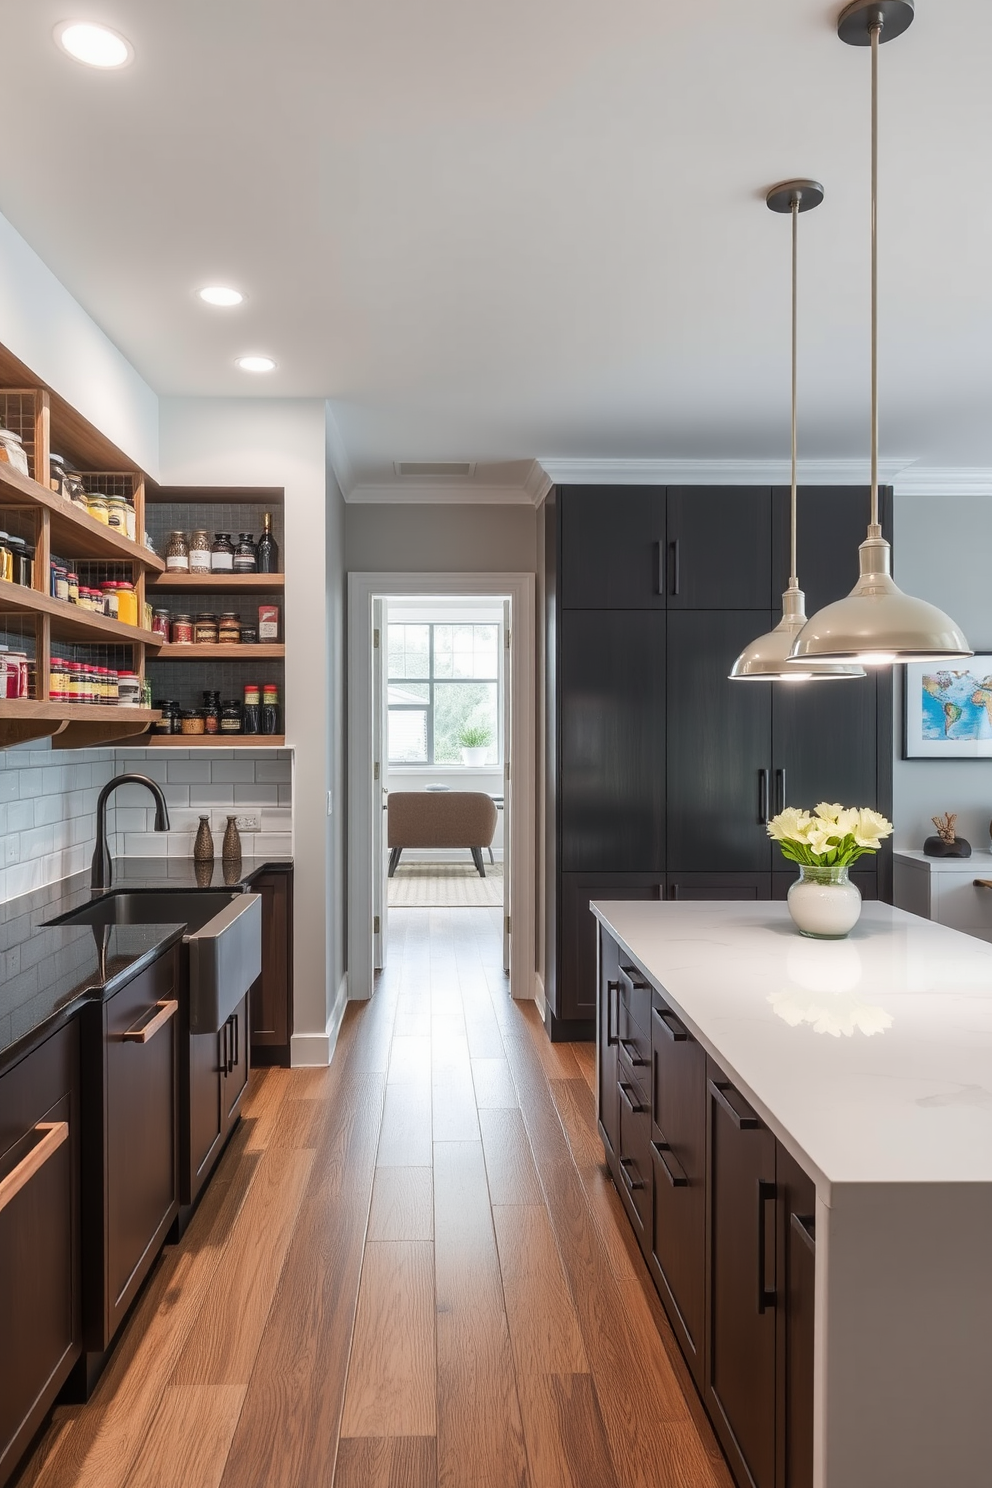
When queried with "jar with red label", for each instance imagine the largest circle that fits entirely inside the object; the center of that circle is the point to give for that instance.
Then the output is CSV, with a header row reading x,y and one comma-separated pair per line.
x,y
160,623
182,630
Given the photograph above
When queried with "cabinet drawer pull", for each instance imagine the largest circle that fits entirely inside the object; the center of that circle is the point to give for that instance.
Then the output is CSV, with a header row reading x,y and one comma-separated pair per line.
x,y
743,1120
766,1193
162,1013
628,1044
677,1180
625,1162
633,978
805,1227
674,1030
633,1105
52,1134
763,798
612,992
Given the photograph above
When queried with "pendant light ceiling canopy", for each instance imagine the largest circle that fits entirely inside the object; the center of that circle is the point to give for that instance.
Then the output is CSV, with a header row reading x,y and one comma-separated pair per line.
x,y
877,623
767,658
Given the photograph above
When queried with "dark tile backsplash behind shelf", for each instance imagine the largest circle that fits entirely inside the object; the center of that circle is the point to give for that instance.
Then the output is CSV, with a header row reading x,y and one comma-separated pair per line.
x,y
185,681
161,519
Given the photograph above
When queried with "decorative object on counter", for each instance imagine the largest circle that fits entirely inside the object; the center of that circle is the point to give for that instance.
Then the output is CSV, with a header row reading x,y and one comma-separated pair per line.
x,y
823,902
222,553
199,552
877,623
475,739
767,658
230,717
177,553
270,708
229,629
203,847
12,451
268,622
946,844
231,852
267,549
244,554
949,710
251,713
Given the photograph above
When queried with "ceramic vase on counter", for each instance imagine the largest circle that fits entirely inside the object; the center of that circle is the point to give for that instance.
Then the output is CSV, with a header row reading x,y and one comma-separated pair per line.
x,y
203,847
824,903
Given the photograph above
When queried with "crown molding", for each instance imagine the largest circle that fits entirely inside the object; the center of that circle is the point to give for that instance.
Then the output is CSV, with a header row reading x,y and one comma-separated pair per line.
x,y
948,480
642,472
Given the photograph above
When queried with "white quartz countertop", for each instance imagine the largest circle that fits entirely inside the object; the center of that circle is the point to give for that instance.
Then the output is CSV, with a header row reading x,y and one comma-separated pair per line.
x,y
870,1058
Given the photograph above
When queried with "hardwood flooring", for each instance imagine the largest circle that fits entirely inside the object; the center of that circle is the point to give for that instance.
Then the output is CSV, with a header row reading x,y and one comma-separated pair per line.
x,y
410,1271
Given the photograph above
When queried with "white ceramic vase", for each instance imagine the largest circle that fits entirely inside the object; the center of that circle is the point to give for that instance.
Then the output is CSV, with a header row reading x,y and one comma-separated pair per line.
x,y
824,903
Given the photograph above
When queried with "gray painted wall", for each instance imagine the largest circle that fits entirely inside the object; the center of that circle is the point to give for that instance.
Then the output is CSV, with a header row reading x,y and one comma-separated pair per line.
x,y
337,734
943,552
442,539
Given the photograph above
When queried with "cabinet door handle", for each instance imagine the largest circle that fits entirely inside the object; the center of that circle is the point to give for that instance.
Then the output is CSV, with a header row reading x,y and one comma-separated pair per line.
x,y
628,1044
52,1135
659,554
677,1180
634,1106
805,1227
763,798
766,1193
237,1041
779,791
224,1037
633,978
673,1029
743,1120
612,990
625,1163
676,552
161,1014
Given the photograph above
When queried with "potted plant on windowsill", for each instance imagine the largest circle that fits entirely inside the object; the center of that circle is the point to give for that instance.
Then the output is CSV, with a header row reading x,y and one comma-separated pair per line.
x,y
475,739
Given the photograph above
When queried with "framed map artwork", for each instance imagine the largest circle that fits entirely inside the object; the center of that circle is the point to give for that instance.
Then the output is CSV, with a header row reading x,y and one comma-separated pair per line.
x,y
949,709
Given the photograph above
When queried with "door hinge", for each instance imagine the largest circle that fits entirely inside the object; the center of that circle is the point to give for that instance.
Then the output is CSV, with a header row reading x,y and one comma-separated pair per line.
x,y
375,925
375,640
375,770
507,640
506,924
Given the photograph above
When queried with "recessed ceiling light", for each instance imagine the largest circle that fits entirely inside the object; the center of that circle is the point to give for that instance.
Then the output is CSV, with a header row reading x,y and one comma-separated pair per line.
x,y
219,294
256,363
97,46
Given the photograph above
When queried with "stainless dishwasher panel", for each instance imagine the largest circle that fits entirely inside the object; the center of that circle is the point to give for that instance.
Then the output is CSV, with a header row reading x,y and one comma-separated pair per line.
x,y
225,958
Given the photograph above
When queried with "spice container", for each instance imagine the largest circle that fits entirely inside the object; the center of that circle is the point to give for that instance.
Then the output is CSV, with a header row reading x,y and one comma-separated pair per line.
x,y
60,582
160,623
252,713
244,554
6,559
98,507
130,521
17,547
177,553
169,722
128,690
127,603
57,478
222,553
117,514
182,630
230,717
270,708
229,629
248,635
199,552
110,600
72,579
211,712
12,451
58,682
192,721
268,623
18,675
205,630
77,494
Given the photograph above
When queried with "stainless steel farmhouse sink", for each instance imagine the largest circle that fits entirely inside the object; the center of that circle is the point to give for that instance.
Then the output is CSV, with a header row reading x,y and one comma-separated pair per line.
x,y
223,935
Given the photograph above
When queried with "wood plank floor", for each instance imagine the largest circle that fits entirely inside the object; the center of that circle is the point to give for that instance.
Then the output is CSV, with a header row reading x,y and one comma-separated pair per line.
x,y
410,1271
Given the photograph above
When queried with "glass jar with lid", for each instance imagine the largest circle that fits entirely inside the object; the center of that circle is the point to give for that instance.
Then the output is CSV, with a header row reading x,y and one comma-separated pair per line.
x,y
205,629
57,479
6,559
192,721
160,623
182,630
77,492
127,603
211,711
177,553
12,451
244,554
169,722
230,717
98,507
222,553
117,514
199,552
229,629
110,599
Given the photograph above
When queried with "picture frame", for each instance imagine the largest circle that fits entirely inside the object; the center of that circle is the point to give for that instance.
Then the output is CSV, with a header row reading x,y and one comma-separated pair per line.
x,y
948,709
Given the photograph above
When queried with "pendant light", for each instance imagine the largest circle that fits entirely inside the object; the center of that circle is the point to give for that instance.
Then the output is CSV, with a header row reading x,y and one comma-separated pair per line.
x,y
877,623
765,660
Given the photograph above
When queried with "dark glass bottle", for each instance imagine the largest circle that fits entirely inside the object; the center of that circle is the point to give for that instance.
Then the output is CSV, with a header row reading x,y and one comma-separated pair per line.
x,y
270,708
230,717
251,712
244,554
211,712
267,549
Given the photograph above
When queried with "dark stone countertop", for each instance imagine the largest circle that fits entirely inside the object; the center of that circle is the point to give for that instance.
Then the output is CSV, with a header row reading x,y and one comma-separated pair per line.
x,y
47,972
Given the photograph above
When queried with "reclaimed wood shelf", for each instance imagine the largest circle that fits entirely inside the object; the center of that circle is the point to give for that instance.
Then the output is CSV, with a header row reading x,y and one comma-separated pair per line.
x,y
253,583
261,651
71,622
218,741
70,725
74,533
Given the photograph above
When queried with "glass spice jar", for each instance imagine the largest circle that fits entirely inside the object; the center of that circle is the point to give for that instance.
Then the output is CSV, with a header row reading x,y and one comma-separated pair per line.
x,y
177,553
182,630
128,690
229,629
244,554
222,553
130,521
57,479
127,603
248,635
230,717
73,581
110,607
205,630
7,559
117,514
199,552
192,721
160,623
169,722
12,451
98,507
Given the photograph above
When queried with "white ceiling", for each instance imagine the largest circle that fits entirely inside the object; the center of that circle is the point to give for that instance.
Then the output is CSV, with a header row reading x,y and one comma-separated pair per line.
x,y
501,229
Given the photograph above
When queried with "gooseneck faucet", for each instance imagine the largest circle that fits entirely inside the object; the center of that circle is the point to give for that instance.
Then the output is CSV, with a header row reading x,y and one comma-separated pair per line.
x,y
101,872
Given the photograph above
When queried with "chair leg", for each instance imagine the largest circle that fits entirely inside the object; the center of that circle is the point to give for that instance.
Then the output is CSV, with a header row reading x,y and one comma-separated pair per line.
x,y
394,857
491,858
477,860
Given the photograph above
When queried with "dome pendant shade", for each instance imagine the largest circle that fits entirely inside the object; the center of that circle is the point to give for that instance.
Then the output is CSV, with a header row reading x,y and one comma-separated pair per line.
x,y
877,624
767,658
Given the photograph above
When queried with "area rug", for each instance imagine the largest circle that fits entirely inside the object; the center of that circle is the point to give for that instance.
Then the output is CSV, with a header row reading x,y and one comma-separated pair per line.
x,y
445,886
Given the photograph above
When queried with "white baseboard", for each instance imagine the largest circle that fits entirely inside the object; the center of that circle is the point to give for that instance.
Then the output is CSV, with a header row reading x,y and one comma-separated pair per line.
x,y
539,998
310,1050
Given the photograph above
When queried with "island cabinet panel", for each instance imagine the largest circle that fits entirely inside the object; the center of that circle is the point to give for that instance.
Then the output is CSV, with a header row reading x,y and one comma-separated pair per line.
x,y
795,1285
40,1323
678,1149
607,1044
720,549
740,1385
685,886
271,995
633,1163
577,950
613,548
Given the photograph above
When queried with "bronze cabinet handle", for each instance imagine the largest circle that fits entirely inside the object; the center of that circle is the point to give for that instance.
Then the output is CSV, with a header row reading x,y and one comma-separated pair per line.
x,y
164,1011
52,1134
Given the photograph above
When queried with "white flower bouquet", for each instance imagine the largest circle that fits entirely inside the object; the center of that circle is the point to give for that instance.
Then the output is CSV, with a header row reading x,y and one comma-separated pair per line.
x,y
832,837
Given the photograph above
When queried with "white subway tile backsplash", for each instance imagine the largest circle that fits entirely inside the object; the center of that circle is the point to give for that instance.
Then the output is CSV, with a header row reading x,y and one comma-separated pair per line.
x,y
256,795
211,795
9,785
146,844
234,772
20,815
189,772
274,772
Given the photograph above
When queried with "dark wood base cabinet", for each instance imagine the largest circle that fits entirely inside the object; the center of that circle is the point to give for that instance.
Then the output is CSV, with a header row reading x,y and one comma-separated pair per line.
x,y
725,1220
271,996
212,1085
40,1321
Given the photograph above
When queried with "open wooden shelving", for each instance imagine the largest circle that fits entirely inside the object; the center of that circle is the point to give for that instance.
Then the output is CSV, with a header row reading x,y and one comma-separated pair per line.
x,y
71,530
261,651
70,725
217,741
70,622
218,584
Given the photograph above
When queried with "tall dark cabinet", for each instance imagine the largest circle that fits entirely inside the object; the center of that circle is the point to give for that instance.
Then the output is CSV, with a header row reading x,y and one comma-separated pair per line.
x,y
661,773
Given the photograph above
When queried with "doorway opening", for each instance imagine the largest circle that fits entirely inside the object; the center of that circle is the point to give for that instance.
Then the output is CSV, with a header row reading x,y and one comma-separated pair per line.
x,y
441,765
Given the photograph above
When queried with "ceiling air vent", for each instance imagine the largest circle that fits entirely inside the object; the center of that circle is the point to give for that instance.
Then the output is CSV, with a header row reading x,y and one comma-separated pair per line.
x,y
438,468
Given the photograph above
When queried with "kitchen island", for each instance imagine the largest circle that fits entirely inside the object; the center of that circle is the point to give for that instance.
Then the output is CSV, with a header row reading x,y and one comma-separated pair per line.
x,y
849,1346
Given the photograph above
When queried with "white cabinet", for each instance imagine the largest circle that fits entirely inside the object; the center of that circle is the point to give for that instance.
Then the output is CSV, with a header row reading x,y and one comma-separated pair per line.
x,y
944,889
